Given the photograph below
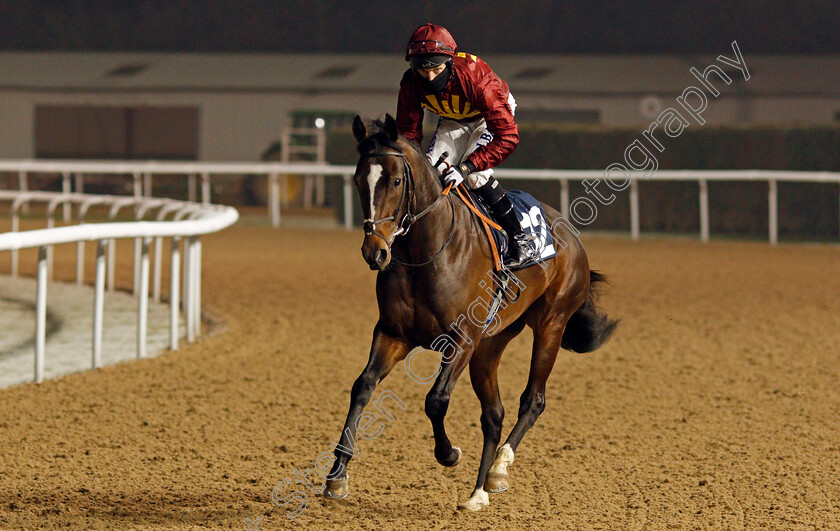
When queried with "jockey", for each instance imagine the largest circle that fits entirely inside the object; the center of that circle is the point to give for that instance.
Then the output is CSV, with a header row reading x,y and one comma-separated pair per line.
x,y
476,125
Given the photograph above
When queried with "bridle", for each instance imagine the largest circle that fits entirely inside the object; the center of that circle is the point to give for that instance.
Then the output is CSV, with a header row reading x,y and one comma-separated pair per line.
x,y
405,222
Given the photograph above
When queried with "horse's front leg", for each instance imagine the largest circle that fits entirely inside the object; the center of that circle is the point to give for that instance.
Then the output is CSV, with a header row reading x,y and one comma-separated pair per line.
x,y
385,352
437,402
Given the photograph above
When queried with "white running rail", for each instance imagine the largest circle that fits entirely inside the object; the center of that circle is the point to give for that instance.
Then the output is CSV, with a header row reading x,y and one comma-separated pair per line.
x,y
177,220
142,173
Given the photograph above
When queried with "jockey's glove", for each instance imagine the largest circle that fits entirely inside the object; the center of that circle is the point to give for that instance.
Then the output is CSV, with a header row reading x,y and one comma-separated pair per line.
x,y
456,174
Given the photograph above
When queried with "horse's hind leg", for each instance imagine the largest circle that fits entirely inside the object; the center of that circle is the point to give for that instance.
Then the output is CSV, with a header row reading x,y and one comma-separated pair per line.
x,y
385,352
483,367
531,405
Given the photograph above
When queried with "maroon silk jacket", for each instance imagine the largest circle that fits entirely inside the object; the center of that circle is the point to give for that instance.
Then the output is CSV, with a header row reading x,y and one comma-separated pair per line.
x,y
473,92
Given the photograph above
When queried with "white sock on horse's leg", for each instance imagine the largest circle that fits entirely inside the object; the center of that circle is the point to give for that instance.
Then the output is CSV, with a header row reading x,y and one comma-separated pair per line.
x,y
497,476
477,501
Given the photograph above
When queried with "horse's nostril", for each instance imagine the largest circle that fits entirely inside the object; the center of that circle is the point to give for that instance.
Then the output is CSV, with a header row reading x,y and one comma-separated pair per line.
x,y
381,254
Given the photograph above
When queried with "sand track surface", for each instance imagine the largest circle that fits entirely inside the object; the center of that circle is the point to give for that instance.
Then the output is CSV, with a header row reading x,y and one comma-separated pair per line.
x,y
715,406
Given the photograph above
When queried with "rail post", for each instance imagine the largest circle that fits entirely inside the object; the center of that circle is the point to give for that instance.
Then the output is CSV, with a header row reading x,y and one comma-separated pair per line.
x,y
634,210
112,264
191,187
197,288
138,251
704,210
773,207
187,287
98,303
16,228
80,263
138,194
41,315
348,202
23,186
136,185
205,188
564,198
65,188
174,277
143,298
274,199
156,274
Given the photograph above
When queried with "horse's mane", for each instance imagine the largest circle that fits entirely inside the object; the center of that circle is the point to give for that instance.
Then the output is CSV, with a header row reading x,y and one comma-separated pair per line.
x,y
378,137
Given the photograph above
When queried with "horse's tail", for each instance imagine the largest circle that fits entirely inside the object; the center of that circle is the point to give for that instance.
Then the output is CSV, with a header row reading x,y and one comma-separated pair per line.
x,y
588,328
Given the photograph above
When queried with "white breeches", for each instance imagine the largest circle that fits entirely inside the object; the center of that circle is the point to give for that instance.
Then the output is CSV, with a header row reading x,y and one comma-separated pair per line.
x,y
460,139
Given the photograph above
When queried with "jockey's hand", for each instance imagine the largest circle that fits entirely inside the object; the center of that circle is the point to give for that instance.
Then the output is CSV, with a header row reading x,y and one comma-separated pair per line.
x,y
456,174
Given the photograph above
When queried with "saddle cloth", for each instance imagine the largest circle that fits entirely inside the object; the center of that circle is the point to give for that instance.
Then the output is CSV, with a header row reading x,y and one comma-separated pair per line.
x,y
531,217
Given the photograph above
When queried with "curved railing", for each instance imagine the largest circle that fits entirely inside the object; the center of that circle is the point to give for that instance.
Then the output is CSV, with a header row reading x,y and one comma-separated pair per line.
x,y
153,220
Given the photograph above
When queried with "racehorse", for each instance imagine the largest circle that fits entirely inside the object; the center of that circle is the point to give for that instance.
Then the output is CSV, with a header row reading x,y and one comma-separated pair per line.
x,y
431,255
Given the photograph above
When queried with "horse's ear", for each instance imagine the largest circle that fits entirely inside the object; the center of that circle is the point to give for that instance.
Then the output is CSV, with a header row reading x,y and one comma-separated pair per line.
x,y
359,129
391,128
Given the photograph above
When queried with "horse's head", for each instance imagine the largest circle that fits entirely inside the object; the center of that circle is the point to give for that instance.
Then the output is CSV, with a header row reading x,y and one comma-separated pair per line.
x,y
384,181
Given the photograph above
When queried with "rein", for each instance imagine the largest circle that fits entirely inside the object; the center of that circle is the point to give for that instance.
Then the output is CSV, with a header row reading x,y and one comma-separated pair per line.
x,y
408,219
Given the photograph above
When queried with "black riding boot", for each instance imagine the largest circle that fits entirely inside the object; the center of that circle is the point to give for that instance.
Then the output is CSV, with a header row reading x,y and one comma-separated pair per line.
x,y
521,248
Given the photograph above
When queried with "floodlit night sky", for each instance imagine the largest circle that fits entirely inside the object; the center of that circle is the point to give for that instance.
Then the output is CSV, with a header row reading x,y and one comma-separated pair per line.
x,y
485,26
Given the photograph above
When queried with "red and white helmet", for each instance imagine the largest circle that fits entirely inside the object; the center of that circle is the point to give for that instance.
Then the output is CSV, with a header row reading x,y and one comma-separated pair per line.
x,y
430,45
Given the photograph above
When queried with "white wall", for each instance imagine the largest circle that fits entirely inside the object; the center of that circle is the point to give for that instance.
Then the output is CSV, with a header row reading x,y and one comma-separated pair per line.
x,y
232,126
239,126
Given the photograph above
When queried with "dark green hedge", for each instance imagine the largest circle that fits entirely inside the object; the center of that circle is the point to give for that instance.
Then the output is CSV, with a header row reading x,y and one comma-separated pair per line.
x,y
806,211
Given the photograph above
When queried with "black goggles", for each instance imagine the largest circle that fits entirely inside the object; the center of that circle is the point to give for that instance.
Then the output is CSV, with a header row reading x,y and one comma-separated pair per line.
x,y
427,62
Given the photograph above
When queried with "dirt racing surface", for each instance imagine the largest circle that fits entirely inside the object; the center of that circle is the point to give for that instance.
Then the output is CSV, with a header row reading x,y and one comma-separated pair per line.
x,y
715,406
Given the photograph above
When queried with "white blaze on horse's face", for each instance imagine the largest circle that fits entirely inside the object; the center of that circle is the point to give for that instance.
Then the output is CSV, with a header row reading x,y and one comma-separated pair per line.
x,y
373,178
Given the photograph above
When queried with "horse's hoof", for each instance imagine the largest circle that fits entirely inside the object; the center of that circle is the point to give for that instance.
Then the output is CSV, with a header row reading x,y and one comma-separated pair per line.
x,y
452,459
497,476
457,459
337,489
496,482
478,501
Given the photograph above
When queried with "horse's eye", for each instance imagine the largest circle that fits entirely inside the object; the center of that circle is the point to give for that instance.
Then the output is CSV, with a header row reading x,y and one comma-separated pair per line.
x,y
397,182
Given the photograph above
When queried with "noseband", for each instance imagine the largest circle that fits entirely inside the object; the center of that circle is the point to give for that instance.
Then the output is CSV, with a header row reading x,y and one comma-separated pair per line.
x,y
408,219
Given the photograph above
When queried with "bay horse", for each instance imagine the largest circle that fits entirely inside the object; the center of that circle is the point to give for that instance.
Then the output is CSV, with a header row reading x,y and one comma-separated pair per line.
x,y
431,256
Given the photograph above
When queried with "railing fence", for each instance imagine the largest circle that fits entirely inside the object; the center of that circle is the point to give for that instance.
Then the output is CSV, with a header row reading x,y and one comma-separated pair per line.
x,y
188,222
199,176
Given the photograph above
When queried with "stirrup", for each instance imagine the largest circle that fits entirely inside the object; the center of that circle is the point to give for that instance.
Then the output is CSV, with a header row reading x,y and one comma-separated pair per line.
x,y
521,251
